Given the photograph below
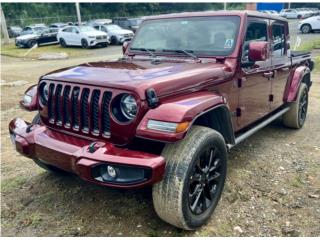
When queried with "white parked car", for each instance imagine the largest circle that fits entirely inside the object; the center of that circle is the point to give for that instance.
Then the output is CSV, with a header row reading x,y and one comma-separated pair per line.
x,y
310,24
84,36
117,34
294,14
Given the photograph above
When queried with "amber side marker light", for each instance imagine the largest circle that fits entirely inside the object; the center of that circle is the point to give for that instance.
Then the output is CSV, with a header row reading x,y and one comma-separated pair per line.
x,y
167,126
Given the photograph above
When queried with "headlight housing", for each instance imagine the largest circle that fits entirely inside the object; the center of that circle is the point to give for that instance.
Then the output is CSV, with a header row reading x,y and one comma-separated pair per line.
x,y
124,108
44,93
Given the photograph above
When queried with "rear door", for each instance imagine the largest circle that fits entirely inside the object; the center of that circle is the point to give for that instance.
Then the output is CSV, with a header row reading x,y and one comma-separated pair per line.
x,y
280,61
255,84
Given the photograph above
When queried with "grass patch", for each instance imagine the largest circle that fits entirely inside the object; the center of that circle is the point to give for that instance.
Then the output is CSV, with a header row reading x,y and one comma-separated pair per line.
x,y
13,51
317,64
310,45
8,185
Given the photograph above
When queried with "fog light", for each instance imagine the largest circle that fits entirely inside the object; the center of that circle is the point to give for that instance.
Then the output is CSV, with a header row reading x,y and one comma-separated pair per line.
x,y
112,172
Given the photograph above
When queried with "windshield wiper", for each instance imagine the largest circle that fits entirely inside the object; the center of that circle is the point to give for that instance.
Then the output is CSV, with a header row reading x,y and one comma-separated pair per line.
x,y
187,52
150,51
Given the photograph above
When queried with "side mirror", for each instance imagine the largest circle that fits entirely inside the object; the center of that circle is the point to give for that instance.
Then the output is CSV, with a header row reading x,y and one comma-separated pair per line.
x,y
125,46
258,51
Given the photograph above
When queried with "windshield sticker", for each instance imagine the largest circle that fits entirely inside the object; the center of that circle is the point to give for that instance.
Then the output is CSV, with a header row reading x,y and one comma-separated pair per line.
x,y
228,43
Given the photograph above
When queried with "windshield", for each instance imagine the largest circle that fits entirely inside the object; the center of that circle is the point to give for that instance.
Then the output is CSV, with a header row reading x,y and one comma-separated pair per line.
x,y
113,27
214,36
135,22
86,29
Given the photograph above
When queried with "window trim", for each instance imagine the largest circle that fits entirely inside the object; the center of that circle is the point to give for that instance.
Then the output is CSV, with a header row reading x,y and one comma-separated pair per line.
x,y
285,37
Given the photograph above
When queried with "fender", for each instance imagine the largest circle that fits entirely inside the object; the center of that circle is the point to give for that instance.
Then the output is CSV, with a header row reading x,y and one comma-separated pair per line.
x,y
181,109
293,83
30,105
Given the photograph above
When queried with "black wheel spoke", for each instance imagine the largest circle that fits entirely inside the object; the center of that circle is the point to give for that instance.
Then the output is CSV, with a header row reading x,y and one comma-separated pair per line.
x,y
196,202
214,177
195,178
216,165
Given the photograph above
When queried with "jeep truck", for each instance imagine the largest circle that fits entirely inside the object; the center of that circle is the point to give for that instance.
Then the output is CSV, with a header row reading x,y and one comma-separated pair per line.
x,y
188,88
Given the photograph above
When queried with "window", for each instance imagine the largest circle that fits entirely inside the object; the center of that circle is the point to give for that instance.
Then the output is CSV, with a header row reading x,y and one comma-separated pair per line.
x,y
278,40
69,29
96,27
256,31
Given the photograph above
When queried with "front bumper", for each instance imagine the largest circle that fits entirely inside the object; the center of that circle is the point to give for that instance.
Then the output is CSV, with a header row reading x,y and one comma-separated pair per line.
x,y
83,157
94,42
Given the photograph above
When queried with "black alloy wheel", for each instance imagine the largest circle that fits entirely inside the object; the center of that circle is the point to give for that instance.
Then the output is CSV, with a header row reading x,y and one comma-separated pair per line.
x,y
303,107
205,181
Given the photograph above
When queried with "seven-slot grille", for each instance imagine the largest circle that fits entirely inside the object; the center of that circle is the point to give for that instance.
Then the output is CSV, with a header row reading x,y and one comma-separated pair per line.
x,y
79,108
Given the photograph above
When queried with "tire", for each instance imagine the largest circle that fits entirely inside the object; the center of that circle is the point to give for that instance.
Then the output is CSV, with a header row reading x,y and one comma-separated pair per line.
x,y
306,28
171,197
63,43
84,43
114,40
37,120
31,43
296,116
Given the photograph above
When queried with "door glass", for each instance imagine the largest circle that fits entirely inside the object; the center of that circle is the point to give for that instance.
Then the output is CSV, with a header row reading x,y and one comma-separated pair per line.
x,y
278,40
256,31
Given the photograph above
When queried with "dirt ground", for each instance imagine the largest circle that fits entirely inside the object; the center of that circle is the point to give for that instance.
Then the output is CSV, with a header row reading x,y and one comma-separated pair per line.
x,y
272,187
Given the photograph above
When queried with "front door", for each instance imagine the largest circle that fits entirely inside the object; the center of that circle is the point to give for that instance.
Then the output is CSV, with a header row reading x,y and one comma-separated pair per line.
x,y
255,83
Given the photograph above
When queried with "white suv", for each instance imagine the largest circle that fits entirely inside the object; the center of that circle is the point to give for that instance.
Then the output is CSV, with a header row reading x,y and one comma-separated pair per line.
x,y
310,24
294,13
84,36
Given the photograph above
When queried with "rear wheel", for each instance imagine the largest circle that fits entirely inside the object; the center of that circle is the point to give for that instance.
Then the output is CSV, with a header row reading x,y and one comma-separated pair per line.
x,y
194,179
37,120
306,28
84,43
296,116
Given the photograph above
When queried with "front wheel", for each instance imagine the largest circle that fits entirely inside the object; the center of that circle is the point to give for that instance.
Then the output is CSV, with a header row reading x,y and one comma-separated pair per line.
x,y
296,116
84,43
31,43
63,43
195,174
306,28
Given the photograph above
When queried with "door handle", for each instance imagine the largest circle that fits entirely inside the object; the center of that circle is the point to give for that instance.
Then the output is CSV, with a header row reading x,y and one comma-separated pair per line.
x,y
268,74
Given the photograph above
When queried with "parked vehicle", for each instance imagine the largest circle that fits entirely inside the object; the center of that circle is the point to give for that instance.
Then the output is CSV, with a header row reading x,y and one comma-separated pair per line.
x,y
40,37
127,23
310,24
14,31
84,36
168,111
32,29
294,14
100,21
58,25
117,34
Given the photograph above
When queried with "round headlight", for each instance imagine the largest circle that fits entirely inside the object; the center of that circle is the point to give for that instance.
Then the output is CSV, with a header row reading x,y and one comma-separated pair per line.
x,y
44,93
128,106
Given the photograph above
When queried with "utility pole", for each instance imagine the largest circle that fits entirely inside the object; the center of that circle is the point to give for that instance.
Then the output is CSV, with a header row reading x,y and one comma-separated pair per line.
x,y
78,13
4,27
289,5
225,6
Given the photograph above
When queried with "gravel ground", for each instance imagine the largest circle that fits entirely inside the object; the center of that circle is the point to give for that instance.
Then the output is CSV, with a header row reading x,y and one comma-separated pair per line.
x,y
272,187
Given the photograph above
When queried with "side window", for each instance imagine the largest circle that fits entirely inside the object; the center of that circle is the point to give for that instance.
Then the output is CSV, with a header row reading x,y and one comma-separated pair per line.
x,y
74,30
256,31
278,40
97,27
69,29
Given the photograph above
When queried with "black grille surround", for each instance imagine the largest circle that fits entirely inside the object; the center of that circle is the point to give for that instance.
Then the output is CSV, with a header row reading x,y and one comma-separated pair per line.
x,y
77,108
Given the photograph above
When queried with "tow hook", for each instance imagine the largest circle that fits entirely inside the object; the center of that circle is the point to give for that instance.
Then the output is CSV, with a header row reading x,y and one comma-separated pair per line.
x,y
94,146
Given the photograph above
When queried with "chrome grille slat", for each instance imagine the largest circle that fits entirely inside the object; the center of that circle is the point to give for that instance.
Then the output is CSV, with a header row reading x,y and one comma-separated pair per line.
x,y
79,108
84,110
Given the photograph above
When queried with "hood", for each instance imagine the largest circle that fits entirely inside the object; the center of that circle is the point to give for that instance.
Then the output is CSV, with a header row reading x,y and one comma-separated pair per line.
x,y
165,78
27,36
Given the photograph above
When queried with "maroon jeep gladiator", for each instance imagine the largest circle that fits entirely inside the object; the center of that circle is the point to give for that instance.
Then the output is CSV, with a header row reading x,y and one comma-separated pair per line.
x,y
188,88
